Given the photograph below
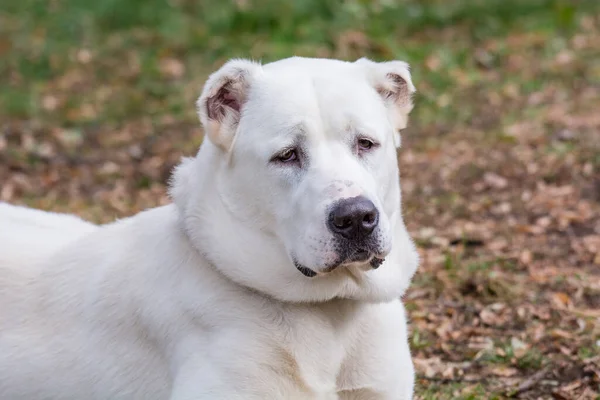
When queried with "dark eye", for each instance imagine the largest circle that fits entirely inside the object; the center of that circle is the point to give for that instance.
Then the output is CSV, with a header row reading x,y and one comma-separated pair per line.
x,y
287,156
365,144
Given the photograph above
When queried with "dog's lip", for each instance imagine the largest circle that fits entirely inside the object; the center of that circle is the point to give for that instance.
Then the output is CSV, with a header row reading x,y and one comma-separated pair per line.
x,y
366,258
309,273
360,255
374,260
371,260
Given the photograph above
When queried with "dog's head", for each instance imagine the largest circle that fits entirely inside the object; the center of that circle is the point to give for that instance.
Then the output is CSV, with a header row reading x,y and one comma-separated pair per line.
x,y
296,193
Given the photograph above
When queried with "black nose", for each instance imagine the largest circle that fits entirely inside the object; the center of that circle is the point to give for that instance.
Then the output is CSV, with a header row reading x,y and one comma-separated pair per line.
x,y
353,218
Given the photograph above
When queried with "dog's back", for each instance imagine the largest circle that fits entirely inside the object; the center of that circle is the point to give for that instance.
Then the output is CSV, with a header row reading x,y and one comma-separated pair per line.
x,y
28,236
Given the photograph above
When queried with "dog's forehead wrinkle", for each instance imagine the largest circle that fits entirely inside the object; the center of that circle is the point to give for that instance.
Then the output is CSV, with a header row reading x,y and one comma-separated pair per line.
x,y
314,90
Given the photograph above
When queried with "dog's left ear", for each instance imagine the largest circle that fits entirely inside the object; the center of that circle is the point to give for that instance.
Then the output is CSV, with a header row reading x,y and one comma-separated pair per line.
x,y
393,83
222,101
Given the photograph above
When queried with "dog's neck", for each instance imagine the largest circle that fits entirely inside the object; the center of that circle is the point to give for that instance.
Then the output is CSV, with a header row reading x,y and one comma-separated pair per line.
x,y
337,309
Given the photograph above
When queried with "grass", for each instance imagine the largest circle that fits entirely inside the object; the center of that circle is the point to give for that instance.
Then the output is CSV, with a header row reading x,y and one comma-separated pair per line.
x,y
124,44
97,105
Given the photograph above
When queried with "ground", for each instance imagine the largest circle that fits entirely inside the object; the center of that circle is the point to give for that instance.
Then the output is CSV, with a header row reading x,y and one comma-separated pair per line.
x,y
500,164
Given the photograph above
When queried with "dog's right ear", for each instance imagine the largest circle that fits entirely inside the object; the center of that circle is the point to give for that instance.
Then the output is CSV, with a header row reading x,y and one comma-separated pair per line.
x,y
223,98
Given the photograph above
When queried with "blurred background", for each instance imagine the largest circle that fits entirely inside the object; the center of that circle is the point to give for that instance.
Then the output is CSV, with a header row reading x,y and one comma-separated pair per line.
x,y
500,164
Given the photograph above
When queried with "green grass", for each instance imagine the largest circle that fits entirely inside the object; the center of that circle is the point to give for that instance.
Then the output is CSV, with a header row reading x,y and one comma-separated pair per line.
x,y
128,40
585,353
456,391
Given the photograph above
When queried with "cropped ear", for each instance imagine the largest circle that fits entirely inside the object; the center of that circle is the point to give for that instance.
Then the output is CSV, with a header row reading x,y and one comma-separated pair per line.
x,y
393,83
224,95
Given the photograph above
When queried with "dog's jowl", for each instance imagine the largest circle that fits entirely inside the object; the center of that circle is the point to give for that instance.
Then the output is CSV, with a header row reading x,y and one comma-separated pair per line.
x,y
276,273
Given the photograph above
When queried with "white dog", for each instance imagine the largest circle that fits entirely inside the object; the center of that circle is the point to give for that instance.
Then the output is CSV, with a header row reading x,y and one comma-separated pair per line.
x,y
276,273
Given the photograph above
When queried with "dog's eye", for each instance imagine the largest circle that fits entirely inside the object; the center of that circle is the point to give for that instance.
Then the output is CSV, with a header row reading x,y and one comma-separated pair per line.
x,y
287,156
365,144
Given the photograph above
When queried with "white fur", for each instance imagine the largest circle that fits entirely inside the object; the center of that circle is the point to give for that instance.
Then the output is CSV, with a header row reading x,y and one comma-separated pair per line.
x,y
21,228
201,299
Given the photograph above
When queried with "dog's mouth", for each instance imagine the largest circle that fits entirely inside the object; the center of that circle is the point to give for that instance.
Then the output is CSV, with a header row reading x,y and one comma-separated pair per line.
x,y
309,273
357,257
362,256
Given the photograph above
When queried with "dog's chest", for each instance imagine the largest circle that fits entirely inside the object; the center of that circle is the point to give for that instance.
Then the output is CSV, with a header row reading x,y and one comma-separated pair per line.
x,y
316,343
